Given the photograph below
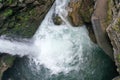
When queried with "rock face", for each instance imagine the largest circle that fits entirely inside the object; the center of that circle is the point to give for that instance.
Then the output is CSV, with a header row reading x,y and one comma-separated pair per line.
x,y
100,20
6,61
80,11
57,20
20,18
114,34
113,31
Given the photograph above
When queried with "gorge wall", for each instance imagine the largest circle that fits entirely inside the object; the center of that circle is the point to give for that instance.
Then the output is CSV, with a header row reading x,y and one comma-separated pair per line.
x,y
20,18
100,22
113,31
106,25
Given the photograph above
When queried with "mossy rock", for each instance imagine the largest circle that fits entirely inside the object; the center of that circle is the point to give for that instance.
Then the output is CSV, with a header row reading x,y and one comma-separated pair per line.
x,y
81,11
6,61
22,21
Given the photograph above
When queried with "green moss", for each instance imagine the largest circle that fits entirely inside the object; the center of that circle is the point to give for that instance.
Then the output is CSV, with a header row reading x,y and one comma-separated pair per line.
x,y
8,12
9,1
9,60
116,27
22,24
23,17
118,22
5,62
0,1
109,12
119,57
32,12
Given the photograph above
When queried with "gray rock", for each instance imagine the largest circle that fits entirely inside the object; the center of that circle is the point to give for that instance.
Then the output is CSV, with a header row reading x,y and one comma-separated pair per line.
x,y
1,5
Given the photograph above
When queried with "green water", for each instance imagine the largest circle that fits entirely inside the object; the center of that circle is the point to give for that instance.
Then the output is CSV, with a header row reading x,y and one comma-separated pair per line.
x,y
95,66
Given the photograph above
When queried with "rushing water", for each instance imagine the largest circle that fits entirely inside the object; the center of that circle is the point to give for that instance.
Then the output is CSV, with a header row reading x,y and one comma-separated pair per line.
x,y
58,52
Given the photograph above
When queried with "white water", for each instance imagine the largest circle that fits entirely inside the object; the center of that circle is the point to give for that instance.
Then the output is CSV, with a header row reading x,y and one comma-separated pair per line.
x,y
58,48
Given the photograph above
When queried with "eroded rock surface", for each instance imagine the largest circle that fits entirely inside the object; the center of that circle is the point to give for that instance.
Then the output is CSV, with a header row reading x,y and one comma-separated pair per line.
x,y
113,31
80,11
6,61
114,34
20,18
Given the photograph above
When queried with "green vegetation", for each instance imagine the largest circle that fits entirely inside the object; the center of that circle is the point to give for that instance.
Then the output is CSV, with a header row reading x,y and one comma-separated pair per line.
x,y
8,12
109,12
5,62
116,27
22,24
9,60
118,57
9,1
0,1
118,22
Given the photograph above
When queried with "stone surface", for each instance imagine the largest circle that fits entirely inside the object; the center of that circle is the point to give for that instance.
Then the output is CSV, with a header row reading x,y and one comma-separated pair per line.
x,y
57,20
117,78
114,34
100,23
80,11
113,31
6,61
20,18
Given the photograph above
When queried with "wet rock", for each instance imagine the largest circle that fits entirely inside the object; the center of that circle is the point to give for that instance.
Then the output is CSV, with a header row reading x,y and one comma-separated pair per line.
x,y
57,20
26,15
117,78
114,34
22,5
29,1
113,31
81,11
6,61
36,3
13,4
21,1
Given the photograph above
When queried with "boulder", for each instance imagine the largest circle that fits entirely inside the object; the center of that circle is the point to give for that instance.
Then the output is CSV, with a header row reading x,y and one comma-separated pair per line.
x,y
22,17
114,34
56,19
81,11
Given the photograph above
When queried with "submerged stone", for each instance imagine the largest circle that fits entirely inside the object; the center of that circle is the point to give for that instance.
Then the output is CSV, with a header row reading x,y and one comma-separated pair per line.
x,y
57,20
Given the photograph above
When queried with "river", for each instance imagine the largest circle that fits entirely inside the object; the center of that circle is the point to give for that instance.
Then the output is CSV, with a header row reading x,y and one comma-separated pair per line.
x,y
58,52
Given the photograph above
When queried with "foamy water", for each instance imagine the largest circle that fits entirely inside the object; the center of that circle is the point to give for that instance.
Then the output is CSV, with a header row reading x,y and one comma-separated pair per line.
x,y
57,47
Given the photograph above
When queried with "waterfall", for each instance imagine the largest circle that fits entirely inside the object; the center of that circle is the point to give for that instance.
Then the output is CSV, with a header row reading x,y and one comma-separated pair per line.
x,y
60,46
57,52
57,47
